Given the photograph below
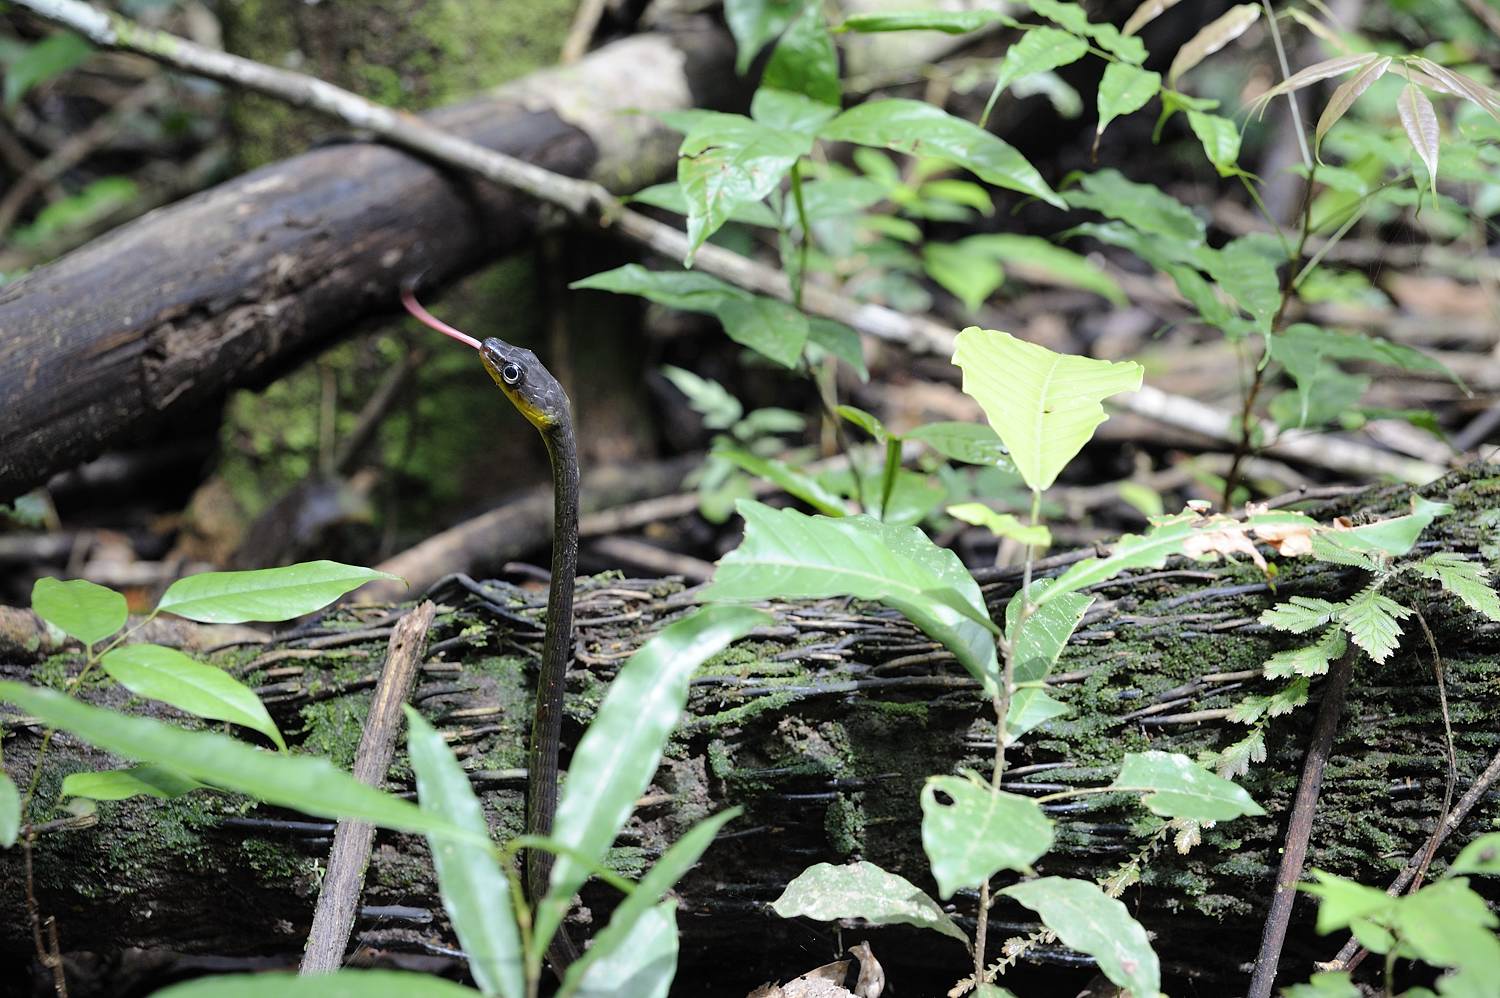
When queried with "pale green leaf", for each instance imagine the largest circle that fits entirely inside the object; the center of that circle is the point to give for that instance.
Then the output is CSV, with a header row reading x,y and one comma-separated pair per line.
x,y
10,811
1002,524
1300,614
168,675
1327,547
865,421
1481,856
769,326
267,594
863,890
1325,984
41,61
1151,550
1037,641
1468,580
1073,17
804,61
1220,139
971,443
1090,921
641,965
1395,536
669,197
341,984
788,555
79,608
952,22
782,475
969,276
1034,259
1373,622
1308,660
1039,50
1144,208
839,340
919,128
1214,36
789,112
1044,405
618,754
729,160
1030,708
1447,924
1123,90
476,893
1346,94
1342,902
120,784
1180,788
719,409
305,783
978,831
1420,121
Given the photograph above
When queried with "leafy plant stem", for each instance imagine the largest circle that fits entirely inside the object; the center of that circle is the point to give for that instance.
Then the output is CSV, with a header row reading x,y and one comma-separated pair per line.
x,y
888,478
1291,98
1265,212
804,242
826,384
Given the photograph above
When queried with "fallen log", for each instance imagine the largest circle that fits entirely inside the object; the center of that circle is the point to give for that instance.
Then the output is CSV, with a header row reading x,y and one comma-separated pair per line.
x,y
230,287
823,728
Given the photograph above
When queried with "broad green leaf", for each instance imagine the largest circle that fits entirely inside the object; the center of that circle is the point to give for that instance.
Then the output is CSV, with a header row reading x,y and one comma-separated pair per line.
x,y
978,832
1300,614
952,22
618,754
1309,660
1163,253
1090,921
1143,498
1073,17
768,326
475,891
1373,622
863,890
267,594
753,23
838,340
1468,580
1002,524
1446,924
1180,788
1343,902
1037,641
1030,708
959,192
1213,36
1043,405
1421,124
1481,856
10,811
673,865
804,61
1395,536
669,197
787,555
642,965
865,421
342,984
309,784
1144,208
1246,268
79,608
1038,51
728,160
41,61
1347,93
1220,139
919,128
789,112
120,784
779,473
1034,259
913,495
1123,90
1306,352
971,443
970,277
719,409
1151,550
168,675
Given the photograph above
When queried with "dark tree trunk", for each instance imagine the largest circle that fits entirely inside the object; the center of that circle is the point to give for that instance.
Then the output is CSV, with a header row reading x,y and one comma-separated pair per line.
x,y
823,730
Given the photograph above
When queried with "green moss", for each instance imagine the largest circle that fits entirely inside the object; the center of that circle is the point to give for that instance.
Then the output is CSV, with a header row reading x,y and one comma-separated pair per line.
x,y
844,821
53,671
277,866
628,861
332,728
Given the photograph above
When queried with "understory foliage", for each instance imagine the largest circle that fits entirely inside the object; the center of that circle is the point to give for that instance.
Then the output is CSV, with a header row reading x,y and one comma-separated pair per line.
x,y
842,192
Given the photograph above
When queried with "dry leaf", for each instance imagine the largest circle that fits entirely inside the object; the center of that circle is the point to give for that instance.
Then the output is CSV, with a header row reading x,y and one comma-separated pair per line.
x,y
871,983
1445,80
826,981
1337,66
1420,121
1227,540
1145,14
1213,37
1347,93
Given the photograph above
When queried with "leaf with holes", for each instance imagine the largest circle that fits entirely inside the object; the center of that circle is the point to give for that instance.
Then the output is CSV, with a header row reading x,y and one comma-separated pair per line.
x,y
977,831
728,160
862,890
1038,641
168,675
1214,36
1180,788
1420,121
1468,580
1373,621
1092,922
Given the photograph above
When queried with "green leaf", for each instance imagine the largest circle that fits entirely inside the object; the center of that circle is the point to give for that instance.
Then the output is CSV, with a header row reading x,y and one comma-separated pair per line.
x,y
42,61
1038,51
1220,139
788,112
79,608
1307,352
1180,788
719,409
1039,261
309,784
341,984
1144,208
1468,580
729,160
267,594
1309,660
669,197
787,555
863,890
1397,535
768,326
10,811
1481,856
1246,268
1448,925
779,473
753,23
971,443
970,277
1300,614
1151,550
1123,90
1031,708
1043,405
978,832
1344,902
642,965
865,421
1108,37
952,22
1326,984
168,675
1037,641
1001,524
617,936
805,61
912,497
1090,921
618,754
476,893
838,340
1373,621
919,128
121,784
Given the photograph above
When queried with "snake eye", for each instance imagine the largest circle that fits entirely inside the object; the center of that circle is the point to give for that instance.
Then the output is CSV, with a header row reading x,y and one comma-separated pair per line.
x,y
511,373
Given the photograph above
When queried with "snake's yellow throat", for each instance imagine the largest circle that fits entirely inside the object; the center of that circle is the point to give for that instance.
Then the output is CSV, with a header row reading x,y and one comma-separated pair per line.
x,y
528,384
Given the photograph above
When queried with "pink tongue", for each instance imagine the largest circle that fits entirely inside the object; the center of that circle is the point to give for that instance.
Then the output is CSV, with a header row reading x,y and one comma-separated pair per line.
x,y
426,318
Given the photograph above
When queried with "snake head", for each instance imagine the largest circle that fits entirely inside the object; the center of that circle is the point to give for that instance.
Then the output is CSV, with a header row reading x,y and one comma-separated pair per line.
x,y
530,387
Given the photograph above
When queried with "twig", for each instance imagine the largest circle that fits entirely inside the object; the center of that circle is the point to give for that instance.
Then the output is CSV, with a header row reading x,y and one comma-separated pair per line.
x,y
338,900
1442,686
581,33
1299,825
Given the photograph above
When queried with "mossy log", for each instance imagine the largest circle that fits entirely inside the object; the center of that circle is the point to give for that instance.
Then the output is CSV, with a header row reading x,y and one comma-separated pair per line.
x,y
822,728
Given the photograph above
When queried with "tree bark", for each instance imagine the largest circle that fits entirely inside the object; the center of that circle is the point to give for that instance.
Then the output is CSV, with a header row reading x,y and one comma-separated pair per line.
x,y
823,728
229,287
